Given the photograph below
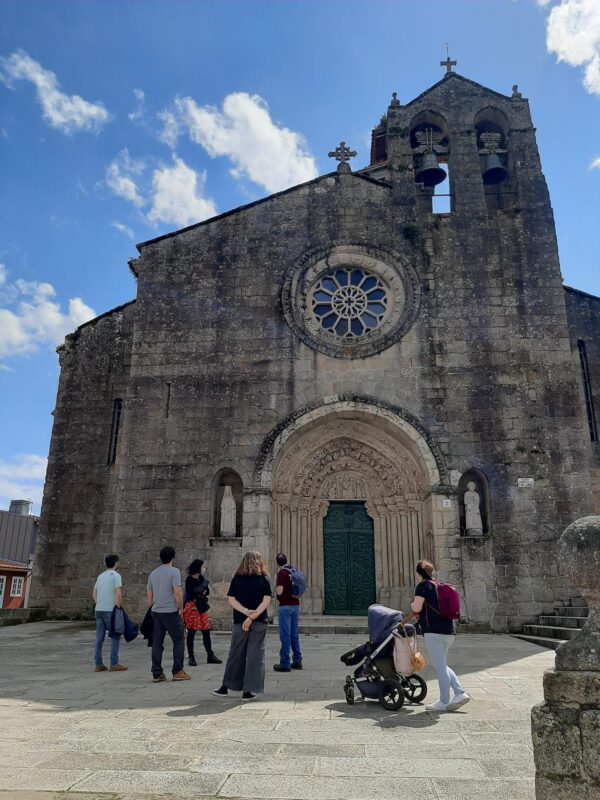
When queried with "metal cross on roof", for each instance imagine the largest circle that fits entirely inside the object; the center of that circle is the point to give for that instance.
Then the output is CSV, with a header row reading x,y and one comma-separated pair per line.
x,y
447,63
342,154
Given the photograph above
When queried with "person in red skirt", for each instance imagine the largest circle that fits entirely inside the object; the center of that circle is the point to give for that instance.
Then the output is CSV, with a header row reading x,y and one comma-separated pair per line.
x,y
195,612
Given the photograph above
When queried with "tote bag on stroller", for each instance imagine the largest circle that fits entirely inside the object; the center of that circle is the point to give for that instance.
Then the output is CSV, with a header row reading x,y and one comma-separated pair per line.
x,y
407,658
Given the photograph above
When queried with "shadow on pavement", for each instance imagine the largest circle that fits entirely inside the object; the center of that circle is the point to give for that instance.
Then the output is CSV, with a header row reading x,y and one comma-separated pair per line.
x,y
50,664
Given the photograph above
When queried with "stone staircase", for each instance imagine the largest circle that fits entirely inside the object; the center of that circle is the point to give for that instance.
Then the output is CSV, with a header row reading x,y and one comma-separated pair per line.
x,y
552,630
330,624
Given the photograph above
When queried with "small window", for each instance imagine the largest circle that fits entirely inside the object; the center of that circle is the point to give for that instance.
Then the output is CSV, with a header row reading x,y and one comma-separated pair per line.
x,y
16,587
587,391
114,432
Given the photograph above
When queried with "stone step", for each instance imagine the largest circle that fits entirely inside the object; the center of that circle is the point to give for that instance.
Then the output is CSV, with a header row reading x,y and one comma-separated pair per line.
x,y
562,621
571,611
575,601
357,630
542,641
331,624
550,631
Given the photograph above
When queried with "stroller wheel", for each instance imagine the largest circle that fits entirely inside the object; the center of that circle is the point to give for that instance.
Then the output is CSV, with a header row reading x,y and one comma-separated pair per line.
x,y
391,695
349,691
415,689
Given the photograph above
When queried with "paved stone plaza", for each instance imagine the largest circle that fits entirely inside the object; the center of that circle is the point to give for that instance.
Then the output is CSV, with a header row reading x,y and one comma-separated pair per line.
x,y
69,731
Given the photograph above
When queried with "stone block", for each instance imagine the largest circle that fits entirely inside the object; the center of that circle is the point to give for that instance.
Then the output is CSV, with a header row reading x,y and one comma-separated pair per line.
x,y
556,741
561,789
572,688
590,737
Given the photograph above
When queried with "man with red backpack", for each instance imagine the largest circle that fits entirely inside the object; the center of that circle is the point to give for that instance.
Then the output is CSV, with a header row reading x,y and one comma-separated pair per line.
x,y
437,606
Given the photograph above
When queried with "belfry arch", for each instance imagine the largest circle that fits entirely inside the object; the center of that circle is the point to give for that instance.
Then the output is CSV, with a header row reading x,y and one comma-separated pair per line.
x,y
346,455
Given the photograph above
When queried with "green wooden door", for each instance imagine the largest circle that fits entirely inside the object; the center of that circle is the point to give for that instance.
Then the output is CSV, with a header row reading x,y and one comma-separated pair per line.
x,y
349,557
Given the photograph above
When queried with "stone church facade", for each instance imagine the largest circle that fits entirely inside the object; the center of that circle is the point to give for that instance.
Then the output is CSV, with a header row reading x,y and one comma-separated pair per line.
x,y
349,362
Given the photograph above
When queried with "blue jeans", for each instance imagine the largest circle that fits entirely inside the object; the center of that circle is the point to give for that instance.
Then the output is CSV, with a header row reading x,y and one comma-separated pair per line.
x,y
438,645
102,623
288,635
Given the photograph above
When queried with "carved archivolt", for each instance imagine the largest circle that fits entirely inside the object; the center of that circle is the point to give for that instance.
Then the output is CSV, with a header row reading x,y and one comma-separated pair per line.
x,y
349,460
403,428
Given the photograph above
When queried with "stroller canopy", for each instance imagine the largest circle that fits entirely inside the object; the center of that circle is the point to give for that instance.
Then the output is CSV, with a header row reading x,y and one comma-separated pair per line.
x,y
382,622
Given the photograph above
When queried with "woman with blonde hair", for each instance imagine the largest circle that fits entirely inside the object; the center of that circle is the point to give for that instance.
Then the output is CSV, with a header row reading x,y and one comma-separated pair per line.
x,y
249,596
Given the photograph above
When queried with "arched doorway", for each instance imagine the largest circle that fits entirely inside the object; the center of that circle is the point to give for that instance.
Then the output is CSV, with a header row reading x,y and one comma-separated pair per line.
x,y
363,460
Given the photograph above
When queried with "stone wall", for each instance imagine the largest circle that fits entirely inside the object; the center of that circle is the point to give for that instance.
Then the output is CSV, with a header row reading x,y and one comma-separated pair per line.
x,y
76,523
583,314
486,370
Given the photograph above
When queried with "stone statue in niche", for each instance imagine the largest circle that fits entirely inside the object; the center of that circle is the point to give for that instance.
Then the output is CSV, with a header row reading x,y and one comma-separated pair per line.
x,y
228,514
473,521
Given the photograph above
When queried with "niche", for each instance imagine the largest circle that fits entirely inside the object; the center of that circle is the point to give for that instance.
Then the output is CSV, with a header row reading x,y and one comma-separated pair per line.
x,y
468,507
227,477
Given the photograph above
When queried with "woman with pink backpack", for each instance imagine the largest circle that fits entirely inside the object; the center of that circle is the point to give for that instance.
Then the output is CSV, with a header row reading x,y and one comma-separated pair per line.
x,y
437,606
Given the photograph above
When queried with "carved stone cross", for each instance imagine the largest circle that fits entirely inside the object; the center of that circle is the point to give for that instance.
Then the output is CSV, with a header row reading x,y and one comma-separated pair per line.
x,y
342,154
447,63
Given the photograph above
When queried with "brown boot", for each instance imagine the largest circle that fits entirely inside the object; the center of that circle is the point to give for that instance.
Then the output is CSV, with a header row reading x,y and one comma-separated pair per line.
x,y
181,676
160,678
117,668
101,668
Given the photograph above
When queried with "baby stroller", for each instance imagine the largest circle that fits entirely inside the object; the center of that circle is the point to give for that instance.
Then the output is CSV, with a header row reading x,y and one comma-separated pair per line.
x,y
376,677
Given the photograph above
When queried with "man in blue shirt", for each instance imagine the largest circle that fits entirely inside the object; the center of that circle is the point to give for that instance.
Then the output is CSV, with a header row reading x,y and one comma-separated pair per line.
x,y
108,593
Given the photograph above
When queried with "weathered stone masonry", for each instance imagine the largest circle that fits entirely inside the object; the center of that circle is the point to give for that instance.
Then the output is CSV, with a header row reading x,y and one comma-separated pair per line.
x,y
216,373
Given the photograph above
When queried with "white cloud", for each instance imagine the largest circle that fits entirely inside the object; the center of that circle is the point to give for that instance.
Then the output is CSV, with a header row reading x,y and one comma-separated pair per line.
x,y
177,195
271,156
68,113
174,193
3,274
595,163
573,34
120,178
36,319
140,106
171,128
22,479
124,229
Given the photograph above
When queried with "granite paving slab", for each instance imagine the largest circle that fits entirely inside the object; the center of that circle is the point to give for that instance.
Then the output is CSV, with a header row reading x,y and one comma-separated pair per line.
x,y
118,736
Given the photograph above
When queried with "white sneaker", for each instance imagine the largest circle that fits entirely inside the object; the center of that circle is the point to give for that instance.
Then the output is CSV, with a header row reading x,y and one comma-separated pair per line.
x,y
460,699
439,707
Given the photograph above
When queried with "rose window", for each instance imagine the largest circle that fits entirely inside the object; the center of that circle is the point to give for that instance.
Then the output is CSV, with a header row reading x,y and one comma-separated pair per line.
x,y
349,302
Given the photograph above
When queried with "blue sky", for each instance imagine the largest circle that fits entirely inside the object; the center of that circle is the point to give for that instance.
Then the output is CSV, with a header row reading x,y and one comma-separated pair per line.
x,y
120,121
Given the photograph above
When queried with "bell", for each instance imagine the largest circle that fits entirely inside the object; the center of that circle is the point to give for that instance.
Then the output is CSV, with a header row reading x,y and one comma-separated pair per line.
x,y
430,173
495,171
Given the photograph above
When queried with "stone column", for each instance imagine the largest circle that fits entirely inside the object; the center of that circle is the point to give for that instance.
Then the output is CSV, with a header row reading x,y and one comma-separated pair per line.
x,y
223,560
257,513
566,727
479,581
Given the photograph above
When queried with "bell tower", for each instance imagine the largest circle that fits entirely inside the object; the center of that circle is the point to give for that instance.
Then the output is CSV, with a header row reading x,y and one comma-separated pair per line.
x,y
479,144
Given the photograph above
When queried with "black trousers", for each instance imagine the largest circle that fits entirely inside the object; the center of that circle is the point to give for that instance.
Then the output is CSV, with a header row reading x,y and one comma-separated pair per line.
x,y
162,624
245,668
206,641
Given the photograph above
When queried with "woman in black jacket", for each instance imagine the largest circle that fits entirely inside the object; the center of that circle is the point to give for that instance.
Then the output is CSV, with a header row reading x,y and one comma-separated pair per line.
x,y
195,612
